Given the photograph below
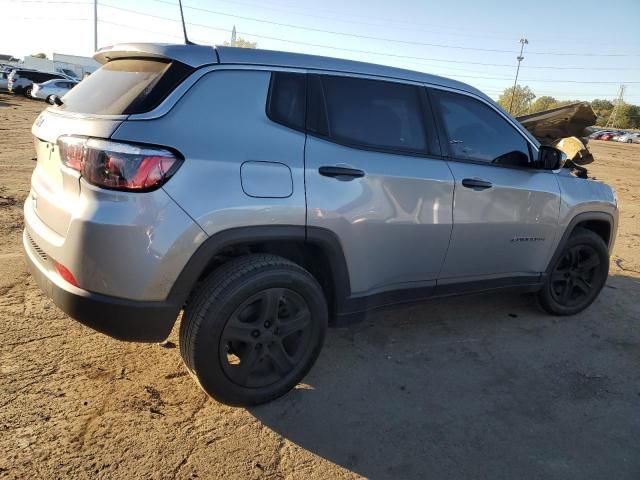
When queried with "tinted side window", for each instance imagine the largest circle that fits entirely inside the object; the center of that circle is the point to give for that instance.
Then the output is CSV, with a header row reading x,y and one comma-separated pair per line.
x,y
374,113
477,132
286,101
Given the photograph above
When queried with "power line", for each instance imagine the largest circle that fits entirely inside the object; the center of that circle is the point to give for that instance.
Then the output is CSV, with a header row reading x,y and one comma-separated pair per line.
x,y
394,40
370,52
64,19
491,90
407,42
341,18
57,2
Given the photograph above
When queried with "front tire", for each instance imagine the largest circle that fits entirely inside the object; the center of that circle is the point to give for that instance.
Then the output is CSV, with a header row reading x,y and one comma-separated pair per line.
x,y
253,329
577,276
27,92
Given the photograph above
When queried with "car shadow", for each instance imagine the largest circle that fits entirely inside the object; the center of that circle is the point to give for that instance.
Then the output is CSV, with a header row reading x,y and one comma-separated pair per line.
x,y
474,387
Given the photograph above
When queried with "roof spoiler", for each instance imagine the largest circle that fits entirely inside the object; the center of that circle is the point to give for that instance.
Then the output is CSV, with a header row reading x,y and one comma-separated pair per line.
x,y
192,55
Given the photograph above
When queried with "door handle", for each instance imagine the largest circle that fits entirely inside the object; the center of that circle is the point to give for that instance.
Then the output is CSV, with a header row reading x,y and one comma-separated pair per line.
x,y
476,184
341,173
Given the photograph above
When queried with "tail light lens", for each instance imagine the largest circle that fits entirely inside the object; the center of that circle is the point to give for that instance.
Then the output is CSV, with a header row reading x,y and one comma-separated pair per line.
x,y
117,165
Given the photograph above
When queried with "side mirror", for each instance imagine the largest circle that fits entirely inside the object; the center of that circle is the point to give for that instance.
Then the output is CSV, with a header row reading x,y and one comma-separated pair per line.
x,y
550,158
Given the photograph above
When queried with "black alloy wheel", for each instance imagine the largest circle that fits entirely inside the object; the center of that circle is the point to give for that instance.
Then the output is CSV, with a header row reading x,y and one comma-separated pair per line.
x,y
573,278
577,275
253,329
265,338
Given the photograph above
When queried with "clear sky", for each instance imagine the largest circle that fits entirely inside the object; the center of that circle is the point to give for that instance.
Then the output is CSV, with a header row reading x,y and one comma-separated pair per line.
x,y
576,50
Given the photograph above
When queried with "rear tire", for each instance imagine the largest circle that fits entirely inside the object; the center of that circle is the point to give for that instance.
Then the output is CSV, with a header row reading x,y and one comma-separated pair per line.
x,y
253,330
27,92
577,275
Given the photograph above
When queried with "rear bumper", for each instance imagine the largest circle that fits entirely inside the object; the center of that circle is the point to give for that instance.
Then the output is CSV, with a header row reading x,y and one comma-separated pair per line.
x,y
123,319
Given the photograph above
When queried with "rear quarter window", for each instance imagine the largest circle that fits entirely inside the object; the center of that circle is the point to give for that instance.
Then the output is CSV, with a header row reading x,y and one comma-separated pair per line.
x,y
286,103
125,86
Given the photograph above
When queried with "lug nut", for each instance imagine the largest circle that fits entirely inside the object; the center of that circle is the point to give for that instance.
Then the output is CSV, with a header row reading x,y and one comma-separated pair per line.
x,y
267,324
255,333
258,346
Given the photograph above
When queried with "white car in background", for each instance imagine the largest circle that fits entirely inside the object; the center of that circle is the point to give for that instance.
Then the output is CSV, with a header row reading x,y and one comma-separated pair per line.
x,y
631,137
56,87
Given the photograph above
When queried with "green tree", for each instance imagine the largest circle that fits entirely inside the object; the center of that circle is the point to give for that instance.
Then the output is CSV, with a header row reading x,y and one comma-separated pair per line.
x,y
634,116
603,110
522,98
599,105
624,116
242,43
543,103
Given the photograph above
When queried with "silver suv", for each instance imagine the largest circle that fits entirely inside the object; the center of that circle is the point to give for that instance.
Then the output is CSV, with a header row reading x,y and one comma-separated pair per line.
x,y
267,194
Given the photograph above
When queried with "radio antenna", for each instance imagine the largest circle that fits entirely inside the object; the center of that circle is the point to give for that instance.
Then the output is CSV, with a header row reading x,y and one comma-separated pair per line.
x,y
184,27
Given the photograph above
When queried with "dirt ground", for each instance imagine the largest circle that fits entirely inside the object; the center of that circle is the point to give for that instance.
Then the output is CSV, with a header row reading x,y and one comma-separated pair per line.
x,y
475,387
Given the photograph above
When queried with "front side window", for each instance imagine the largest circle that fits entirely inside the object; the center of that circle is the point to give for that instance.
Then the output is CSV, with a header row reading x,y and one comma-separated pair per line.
x,y
477,132
372,113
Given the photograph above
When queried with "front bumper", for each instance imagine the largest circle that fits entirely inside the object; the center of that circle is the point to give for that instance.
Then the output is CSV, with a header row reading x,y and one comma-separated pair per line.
x,y
123,319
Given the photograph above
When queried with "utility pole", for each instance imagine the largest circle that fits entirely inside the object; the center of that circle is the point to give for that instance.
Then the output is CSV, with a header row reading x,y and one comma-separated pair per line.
x,y
523,42
95,25
619,101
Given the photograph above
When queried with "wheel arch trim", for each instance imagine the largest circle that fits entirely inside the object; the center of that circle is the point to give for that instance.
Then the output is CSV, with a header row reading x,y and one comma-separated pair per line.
x,y
320,238
576,220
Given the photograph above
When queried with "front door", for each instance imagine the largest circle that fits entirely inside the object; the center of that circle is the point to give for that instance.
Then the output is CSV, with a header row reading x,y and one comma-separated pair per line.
x,y
505,212
373,177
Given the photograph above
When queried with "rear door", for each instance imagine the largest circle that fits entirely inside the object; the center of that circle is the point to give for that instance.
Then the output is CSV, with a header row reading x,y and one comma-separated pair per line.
x,y
375,178
505,212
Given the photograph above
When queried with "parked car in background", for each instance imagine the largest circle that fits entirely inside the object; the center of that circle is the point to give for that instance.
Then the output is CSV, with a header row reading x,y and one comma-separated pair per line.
x,y
70,74
4,80
22,80
50,88
598,134
607,136
630,137
618,134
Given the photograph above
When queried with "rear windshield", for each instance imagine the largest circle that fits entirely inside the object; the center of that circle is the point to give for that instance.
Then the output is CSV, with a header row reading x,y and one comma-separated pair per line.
x,y
125,86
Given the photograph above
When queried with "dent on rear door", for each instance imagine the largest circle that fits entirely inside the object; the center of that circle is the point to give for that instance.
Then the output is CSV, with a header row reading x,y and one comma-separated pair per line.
x,y
394,223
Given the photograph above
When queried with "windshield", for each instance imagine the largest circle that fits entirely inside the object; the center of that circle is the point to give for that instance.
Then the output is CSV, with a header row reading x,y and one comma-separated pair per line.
x,y
125,86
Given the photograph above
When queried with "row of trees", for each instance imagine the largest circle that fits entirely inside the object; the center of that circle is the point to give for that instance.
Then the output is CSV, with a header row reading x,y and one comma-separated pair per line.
x,y
525,102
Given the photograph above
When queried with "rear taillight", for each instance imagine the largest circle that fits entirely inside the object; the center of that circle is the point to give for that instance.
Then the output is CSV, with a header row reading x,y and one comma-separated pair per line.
x,y
116,165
